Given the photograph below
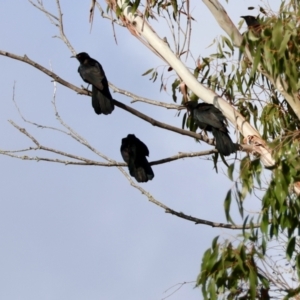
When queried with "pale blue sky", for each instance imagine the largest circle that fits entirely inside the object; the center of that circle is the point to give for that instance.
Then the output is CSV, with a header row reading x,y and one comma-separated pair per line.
x,y
71,232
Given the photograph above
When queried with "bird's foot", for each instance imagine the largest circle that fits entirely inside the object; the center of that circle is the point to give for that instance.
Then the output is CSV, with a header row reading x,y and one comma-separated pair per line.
x,y
85,88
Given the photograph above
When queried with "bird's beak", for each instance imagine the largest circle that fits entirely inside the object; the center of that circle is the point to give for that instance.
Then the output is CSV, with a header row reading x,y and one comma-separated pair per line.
x,y
73,56
242,17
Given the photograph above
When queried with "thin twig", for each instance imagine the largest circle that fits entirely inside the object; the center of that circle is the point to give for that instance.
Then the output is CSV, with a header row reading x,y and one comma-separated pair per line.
x,y
137,98
164,125
29,122
24,131
42,8
178,287
89,162
61,29
105,16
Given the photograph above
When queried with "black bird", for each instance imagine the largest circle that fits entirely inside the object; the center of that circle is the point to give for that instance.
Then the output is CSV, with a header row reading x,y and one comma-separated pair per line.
x,y
134,153
209,118
92,72
252,23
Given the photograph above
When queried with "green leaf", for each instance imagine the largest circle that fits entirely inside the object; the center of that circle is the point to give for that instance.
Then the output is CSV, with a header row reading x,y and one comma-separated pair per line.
x,y
212,290
227,42
175,7
277,34
245,224
241,258
291,247
214,242
183,120
196,72
147,72
264,281
284,42
265,223
298,265
154,76
230,171
264,246
174,86
227,204
135,6
257,59
118,11
252,281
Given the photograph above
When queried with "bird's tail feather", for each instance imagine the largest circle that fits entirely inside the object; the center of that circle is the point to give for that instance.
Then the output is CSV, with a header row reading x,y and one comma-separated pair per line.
x,y
143,172
140,174
101,103
224,144
95,101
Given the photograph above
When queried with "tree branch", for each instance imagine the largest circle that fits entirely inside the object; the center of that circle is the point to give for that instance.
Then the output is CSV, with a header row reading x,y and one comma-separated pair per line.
x,y
141,29
209,96
58,22
84,161
137,98
27,60
61,29
117,103
163,125
42,8
78,138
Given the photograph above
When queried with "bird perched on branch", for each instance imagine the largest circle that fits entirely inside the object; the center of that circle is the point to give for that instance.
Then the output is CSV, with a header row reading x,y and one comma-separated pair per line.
x,y
252,23
134,153
92,72
209,118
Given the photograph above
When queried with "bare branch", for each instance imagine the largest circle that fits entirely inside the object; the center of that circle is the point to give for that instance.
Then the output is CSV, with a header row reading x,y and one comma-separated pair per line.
x,y
24,131
79,139
111,162
186,217
137,98
178,287
27,60
164,125
61,29
92,11
117,103
62,35
41,8
56,160
183,155
210,223
33,123
89,162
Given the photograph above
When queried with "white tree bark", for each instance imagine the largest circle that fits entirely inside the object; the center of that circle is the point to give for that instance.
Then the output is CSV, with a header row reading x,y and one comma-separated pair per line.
x,y
148,35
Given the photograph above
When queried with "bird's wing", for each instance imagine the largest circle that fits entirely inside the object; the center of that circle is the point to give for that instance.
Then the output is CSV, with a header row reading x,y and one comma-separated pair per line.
x,y
93,74
125,150
141,147
210,116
